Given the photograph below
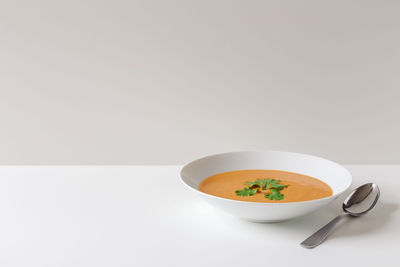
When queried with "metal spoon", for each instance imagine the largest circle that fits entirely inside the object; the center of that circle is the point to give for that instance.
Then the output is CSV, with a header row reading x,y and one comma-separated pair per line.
x,y
359,202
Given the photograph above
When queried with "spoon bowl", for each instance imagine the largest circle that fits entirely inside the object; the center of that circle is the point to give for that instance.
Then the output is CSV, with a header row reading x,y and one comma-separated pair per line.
x,y
361,200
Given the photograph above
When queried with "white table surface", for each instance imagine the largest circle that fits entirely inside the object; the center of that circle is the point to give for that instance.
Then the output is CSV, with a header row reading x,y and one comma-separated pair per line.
x,y
144,216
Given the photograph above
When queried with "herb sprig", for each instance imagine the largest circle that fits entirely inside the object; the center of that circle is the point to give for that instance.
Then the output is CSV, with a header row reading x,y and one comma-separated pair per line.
x,y
246,192
270,187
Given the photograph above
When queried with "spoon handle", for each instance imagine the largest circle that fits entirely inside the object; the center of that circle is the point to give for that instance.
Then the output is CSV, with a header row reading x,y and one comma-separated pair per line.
x,y
319,236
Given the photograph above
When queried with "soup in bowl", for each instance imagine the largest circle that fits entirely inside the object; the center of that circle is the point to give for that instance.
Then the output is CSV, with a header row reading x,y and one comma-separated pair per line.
x,y
266,186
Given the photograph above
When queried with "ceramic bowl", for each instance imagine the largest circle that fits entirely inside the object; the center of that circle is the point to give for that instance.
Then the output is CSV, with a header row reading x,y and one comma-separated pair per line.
x,y
336,176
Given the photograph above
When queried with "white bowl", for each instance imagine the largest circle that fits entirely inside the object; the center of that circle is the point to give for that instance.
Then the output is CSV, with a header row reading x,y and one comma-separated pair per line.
x,y
336,176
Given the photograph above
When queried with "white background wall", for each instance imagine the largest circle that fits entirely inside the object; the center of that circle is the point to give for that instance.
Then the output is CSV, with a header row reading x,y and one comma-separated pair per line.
x,y
163,82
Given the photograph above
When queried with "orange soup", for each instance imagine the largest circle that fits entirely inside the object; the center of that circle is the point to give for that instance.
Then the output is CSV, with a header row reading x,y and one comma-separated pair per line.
x,y
271,186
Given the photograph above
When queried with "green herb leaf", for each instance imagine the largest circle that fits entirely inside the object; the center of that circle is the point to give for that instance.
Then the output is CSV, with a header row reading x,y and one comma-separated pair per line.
x,y
277,186
274,195
246,192
273,185
263,183
258,185
270,182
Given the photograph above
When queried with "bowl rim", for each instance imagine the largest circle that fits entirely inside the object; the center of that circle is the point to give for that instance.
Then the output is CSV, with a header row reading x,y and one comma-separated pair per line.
x,y
266,203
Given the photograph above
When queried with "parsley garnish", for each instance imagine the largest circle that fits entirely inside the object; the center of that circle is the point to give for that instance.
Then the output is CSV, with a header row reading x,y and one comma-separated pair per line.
x,y
274,195
246,192
272,188
258,183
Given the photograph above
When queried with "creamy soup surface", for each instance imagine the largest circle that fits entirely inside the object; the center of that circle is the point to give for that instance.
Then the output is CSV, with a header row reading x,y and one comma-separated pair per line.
x,y
299,187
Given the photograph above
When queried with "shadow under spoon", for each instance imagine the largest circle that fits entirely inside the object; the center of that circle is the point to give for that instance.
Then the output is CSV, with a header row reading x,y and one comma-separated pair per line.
x,y
359,202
